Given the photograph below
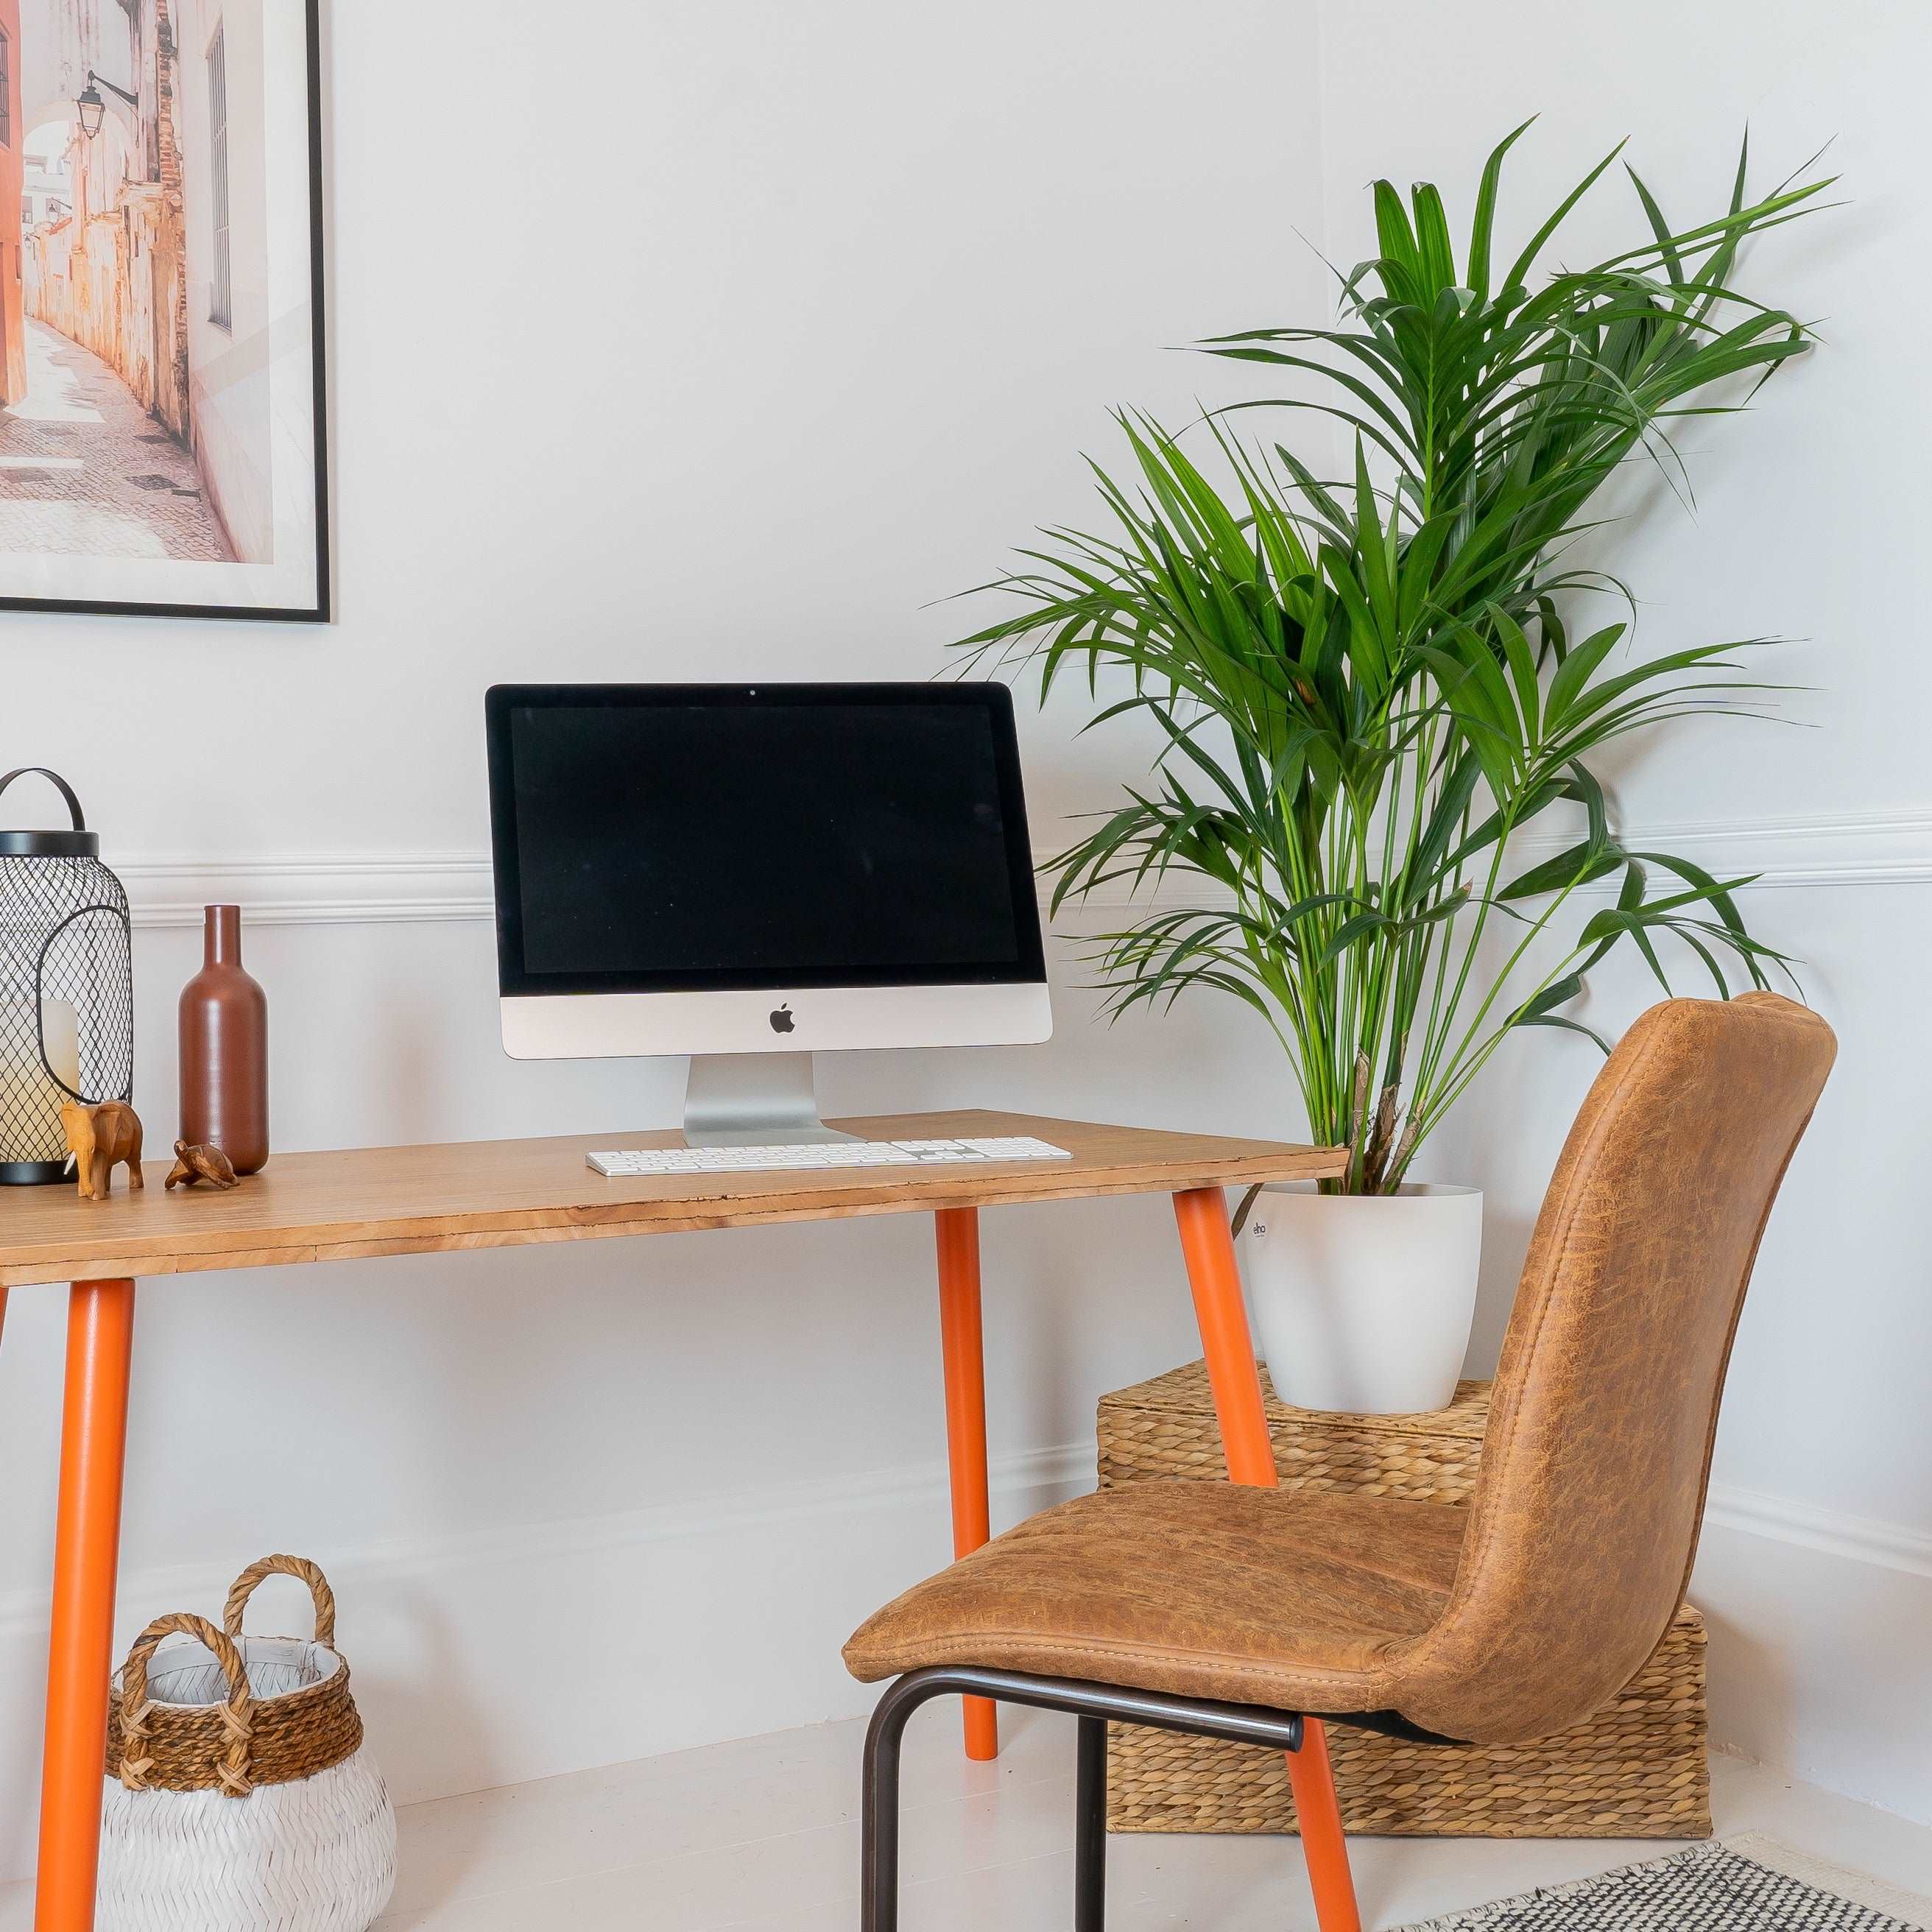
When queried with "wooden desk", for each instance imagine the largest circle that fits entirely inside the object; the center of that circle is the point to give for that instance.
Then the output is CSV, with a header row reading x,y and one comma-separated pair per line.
x,y
430,1200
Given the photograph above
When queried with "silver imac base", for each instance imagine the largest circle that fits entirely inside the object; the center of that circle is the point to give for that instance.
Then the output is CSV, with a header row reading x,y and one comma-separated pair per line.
x,y
754,1099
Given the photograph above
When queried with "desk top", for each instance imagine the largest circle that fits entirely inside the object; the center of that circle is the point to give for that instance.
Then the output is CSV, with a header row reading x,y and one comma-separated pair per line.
x,y
491,1194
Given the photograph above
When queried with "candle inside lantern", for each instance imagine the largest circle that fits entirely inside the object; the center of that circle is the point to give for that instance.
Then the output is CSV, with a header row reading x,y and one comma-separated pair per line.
x,y
30,1103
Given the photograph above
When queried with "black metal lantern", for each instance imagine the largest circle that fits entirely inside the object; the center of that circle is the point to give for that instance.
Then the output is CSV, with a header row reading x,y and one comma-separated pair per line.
x,y
92,107
67,988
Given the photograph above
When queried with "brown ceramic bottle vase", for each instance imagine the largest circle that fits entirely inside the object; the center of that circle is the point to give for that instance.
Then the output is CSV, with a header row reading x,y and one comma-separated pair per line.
x,y
224,1048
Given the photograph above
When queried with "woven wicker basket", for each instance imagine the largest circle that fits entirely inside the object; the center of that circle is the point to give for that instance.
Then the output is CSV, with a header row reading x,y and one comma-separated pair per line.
x,y
1638,1769
240,1797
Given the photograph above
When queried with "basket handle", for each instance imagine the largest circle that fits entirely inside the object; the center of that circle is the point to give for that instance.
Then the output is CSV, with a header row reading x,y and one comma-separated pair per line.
x,y
304,1571
237,1714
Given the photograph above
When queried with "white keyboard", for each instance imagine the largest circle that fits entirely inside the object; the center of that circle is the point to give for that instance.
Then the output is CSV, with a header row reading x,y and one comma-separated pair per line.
x,y
636,1161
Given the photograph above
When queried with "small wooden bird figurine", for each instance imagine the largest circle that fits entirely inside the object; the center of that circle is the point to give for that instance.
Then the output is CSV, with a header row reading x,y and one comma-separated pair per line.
x,y
201,1163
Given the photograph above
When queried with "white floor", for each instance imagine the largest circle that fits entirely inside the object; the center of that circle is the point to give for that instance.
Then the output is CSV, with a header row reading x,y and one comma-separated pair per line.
x,y
762,1836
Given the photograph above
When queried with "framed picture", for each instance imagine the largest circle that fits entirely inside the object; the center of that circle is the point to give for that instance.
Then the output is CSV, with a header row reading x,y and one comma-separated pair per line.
x,y
163,438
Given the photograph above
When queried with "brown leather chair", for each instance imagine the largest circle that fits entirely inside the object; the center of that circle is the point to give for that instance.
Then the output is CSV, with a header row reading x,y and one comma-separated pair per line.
x,y
1234,1612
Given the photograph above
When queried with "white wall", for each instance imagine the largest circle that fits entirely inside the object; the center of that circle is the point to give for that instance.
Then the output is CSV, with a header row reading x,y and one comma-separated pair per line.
x,y
734,344
1818,1568
828,304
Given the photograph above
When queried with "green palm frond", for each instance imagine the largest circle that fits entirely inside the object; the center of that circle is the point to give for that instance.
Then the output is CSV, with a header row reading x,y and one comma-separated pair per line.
x,y
1365,684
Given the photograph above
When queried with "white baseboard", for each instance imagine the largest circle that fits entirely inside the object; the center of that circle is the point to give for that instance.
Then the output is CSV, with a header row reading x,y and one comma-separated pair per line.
x,y
1854,1539
497,1656
1819,1660
1068,1466
25,1614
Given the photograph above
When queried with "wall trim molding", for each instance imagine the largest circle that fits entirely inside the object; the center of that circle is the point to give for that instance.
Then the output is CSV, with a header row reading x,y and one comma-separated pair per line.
x,y
344,889
441,888
1025,1474
27,1613
1846,849
1857,1539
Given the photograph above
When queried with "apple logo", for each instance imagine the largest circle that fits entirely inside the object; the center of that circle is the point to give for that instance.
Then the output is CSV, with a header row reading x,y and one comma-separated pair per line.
x,y
782,1020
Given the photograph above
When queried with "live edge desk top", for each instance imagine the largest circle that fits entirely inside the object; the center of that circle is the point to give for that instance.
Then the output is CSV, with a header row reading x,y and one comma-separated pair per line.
x,y
488,1194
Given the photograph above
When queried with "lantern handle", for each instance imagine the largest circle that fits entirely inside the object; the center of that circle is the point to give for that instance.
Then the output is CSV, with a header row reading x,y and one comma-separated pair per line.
x,y
40,997
60,784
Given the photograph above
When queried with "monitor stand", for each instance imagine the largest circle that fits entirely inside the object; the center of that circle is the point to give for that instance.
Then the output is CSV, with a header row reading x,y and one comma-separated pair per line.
x,y
748,1099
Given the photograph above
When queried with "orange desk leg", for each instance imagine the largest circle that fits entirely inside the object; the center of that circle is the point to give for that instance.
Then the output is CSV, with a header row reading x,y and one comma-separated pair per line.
x,y
958,1229
93,1440
1223,1317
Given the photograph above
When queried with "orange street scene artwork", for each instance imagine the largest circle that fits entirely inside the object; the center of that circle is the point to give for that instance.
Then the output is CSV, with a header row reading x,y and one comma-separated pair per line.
x,y
161,349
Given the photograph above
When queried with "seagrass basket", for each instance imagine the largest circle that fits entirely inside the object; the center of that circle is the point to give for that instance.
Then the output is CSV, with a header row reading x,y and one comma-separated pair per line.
x,y
240,1796
1639,1769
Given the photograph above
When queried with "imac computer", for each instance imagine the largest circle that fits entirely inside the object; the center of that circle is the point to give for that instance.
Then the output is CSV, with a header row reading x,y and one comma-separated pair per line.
x,y
750,874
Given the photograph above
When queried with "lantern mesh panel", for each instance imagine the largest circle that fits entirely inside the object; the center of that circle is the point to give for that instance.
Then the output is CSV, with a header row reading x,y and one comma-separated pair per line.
x,y
64,935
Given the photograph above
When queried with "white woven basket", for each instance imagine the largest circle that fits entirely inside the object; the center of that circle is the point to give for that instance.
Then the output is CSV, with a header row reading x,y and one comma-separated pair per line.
x,y
240,1852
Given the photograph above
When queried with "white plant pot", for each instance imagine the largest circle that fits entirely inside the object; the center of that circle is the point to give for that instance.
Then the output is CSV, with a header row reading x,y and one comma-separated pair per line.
x,y
1363,1303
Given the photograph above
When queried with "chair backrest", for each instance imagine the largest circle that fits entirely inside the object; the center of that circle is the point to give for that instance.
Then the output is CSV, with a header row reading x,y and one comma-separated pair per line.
x,y
1590,1494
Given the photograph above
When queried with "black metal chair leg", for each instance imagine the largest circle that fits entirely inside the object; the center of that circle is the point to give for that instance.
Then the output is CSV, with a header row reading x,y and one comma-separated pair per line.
x,y
1094,1704
879,1817
1089,1829
879,1803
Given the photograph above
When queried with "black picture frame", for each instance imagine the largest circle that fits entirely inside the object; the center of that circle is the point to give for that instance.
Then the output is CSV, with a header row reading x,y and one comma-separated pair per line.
x,y
322,609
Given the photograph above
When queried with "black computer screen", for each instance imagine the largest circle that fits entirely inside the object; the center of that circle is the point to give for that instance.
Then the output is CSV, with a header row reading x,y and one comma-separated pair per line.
x,y
681,838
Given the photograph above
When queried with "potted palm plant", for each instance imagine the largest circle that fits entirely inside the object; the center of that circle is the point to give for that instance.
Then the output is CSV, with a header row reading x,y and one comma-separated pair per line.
x,y
1368,692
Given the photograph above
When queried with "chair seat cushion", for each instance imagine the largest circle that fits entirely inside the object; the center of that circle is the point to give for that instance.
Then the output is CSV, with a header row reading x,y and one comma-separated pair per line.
x,y
1295,1601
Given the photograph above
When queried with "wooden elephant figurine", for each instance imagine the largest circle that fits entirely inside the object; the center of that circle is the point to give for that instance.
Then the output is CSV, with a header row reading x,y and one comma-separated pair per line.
x,y
98,1139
